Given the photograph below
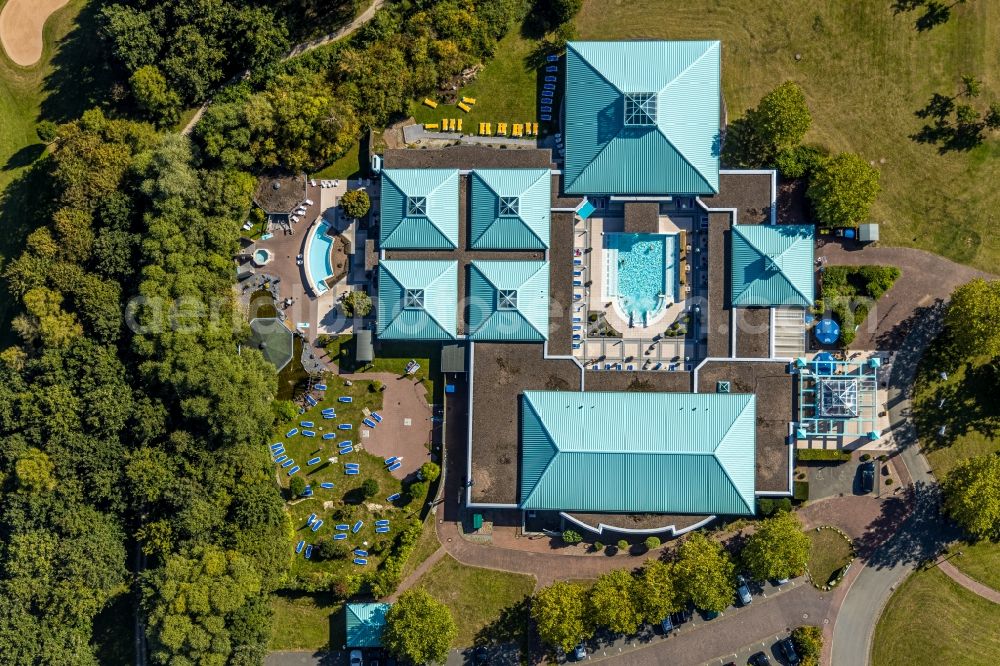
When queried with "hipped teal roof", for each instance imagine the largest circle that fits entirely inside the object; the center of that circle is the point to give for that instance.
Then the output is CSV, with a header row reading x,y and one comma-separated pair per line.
x,y
689,453
437,227
529,228
772,264
676,153
365,623
438,283
491,282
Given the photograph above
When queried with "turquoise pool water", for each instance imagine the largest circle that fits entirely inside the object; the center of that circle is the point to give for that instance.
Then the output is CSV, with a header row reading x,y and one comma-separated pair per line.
x,y
642,272
318,262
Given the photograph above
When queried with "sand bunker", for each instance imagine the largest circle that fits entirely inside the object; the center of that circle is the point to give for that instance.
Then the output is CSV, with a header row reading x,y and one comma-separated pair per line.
x,y
21,23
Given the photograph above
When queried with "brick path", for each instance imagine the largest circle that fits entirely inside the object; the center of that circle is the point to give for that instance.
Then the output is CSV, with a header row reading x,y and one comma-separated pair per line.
x,y
985,591
424,567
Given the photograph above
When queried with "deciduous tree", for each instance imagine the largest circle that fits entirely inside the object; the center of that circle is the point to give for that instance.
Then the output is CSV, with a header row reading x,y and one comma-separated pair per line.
x,y
612,602
558,611
656,591
419,628
705,573
355,204
778,549
972,318
972,496
842,190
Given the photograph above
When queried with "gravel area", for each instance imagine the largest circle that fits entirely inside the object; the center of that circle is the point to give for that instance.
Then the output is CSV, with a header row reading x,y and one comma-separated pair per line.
x,y
467,157
749,194
753,332
719,284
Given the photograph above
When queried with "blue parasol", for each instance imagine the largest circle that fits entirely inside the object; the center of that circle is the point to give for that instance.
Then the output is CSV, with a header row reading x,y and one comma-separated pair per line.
x,y
827,331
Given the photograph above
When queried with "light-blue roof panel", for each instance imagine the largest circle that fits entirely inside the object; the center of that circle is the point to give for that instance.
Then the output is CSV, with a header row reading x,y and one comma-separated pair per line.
x,y
402,283
492,313
772,264
491,228
436,227
364,624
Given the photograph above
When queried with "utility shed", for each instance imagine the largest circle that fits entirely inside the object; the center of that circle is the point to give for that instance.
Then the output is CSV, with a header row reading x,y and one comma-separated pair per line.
x,y
364,352
364,625
453,358
868,233
604,452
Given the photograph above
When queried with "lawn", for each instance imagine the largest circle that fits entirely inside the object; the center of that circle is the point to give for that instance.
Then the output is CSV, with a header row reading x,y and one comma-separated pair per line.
x,y
865,72
348,166
506,90
829,552
932,620
979,561
426,546
393,356
306,621
480,600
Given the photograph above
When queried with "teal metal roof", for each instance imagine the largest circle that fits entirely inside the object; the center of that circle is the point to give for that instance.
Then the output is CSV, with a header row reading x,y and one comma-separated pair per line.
x,y
364,624
691,453
642,117
419,209
510,209
417,299
509,300
772,264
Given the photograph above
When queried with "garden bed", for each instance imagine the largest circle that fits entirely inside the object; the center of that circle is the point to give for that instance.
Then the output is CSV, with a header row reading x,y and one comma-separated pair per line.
x,y
849,291
830,553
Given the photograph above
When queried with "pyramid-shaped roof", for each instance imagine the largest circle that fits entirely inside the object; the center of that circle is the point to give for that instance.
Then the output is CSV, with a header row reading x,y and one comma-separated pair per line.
x,y
364,624
417,300
274,340
772,264
419,209
690,453
642,117
509,300
510,209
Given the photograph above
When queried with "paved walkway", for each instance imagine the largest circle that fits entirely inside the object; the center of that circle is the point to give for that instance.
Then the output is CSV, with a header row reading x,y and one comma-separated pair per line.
x,y
974,586
424,567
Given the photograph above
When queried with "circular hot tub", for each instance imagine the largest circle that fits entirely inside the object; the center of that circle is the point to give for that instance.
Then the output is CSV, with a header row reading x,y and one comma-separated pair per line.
x,y
261,257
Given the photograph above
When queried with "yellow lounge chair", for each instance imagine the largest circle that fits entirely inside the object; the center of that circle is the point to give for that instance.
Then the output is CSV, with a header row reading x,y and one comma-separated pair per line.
x,y
482,128
502,129
469,100
515,130
489,129
459,124
453,125
430,126
534,128
431,103
464,107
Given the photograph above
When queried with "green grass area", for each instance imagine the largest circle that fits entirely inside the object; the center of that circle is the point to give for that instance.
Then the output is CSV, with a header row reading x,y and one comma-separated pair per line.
x,y
506,90
484,602
829,552
865,71
979,561
306,621
393,356
426,546
931,619
822,455
343,504
349,165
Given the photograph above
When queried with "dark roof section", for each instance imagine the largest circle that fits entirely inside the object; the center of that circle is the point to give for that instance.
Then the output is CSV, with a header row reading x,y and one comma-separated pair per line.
x,y
467,157
559,198
274,340
775,390
717,326
561,285
662,382
280,200
453,357
502,373
642,217
753,332
364,352
748,193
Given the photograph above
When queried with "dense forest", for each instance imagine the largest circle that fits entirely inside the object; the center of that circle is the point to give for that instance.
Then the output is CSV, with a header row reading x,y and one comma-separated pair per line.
x,y
130,424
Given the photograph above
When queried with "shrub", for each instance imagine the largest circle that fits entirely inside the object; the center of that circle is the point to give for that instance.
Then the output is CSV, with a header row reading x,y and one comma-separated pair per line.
x,y
652,542
355,204
375,387
800,161
417,492
356,304
369,488
865,457
823,455
598,546
888,482
623,544
328,549
296,486
768,507
571,537
283,410
47,131
800,491
809,644
430,472
842,189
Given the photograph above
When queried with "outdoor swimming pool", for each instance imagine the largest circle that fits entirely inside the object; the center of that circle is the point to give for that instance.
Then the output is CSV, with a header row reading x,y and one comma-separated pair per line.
x,y
318,258
641,273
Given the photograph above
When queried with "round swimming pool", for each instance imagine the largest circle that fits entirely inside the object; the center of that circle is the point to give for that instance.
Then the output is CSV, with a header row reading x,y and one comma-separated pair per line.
x,y
261,256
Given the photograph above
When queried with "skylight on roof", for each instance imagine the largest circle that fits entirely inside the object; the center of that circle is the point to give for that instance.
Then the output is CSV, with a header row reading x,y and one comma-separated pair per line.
x,y
640,108
507,299
416,205
413,299
509,207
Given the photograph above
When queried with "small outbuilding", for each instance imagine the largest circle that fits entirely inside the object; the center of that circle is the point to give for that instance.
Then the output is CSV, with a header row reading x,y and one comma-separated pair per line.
x,y
868,233
364,624
364,352
273,339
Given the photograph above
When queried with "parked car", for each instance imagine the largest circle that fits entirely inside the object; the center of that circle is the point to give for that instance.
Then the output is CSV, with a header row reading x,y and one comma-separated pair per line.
x,y
580,653
710,614
743,591
759,659
356,659
788,649
867,476
667,625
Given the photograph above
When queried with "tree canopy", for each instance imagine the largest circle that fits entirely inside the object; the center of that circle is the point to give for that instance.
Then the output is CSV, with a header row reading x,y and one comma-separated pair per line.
x,y
972,318
558,611
774,127
842,190
777,549
972,496
419,628
656,591
612,602
355,204
705,573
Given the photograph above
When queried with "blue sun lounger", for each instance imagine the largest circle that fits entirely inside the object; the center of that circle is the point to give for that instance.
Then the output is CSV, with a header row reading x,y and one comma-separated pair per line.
x,y
344,443
352,472
299,546
389,461
360,560
369,423
329,435
329,417
308,433
393,497
309,551
394,466
278,451
550,79
355,465
280,459
357,526
313,461
292,432
318,524
326,484
277,445
312,518
548,109
343,526
549,86
552,68
311,400
345,398
546,118
347,449
308,492
552,58
381,523
329,410
345,426
293,470
339,537
381,530
320,387
360,553
288,463
377,417
306,424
